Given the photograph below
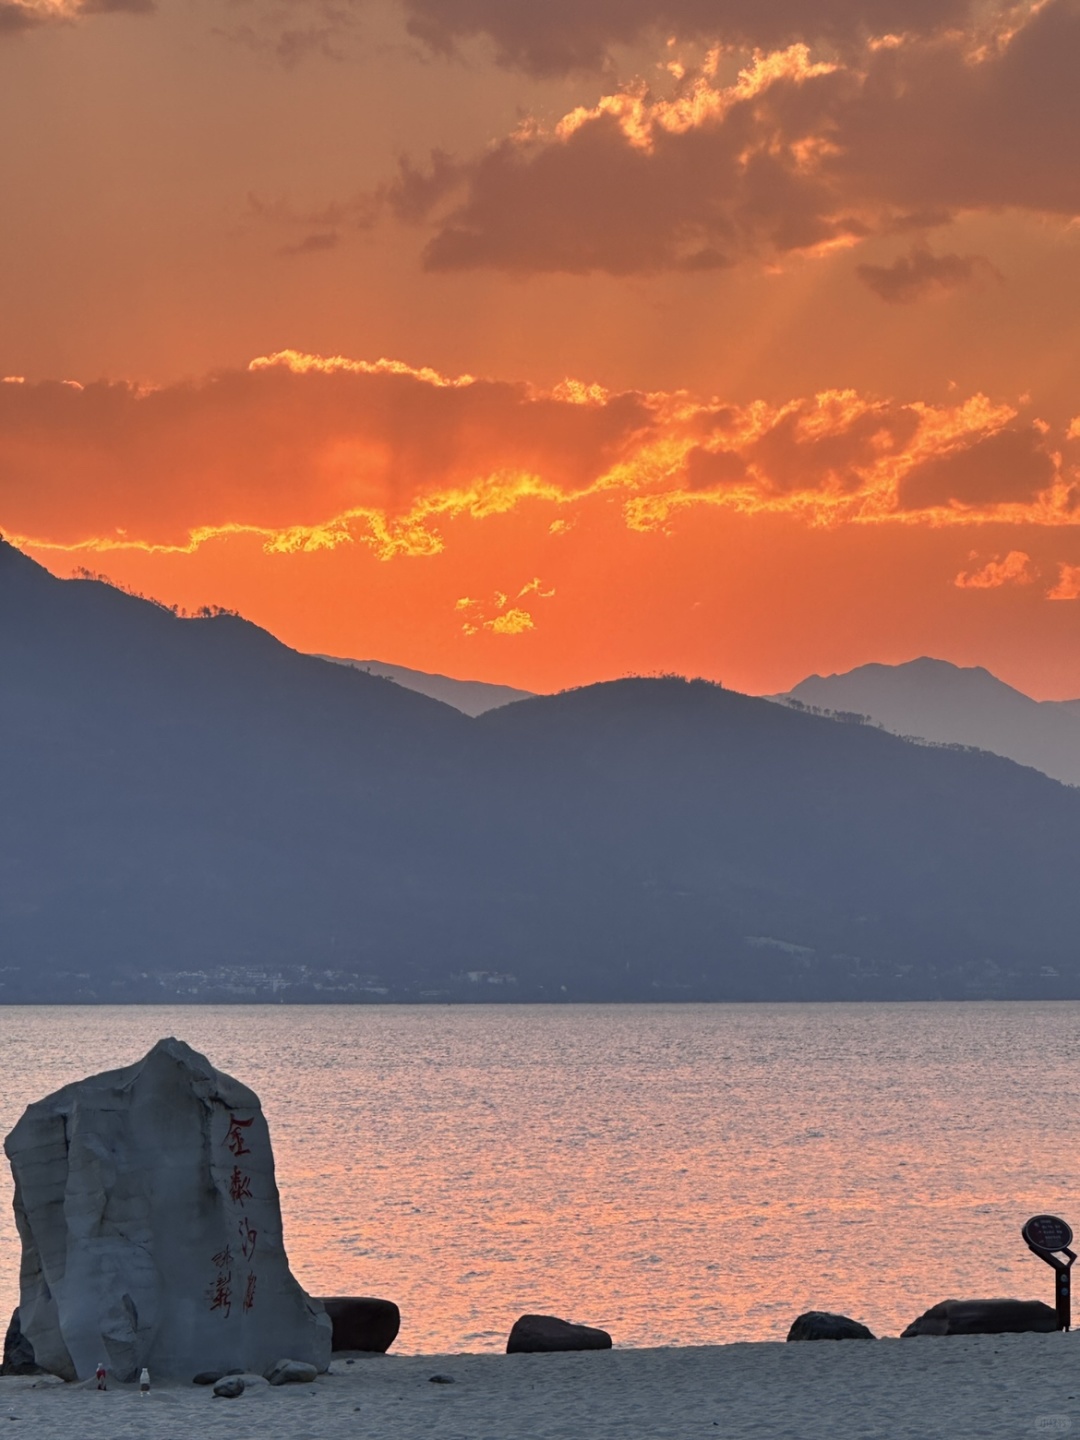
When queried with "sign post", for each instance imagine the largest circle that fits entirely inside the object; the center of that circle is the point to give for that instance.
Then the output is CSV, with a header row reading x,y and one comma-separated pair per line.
x,y
1049,1238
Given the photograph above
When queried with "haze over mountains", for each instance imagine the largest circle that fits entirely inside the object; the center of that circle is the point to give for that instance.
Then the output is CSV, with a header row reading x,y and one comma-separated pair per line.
x,y
193,810
955,705
471,697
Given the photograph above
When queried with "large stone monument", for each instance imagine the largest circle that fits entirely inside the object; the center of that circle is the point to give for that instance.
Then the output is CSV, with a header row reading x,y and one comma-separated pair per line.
x,y
151,1227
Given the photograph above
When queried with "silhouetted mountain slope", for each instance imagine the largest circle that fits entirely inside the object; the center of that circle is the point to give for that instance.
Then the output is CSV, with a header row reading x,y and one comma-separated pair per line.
x,y
792,828
471,697
185,790
189,807
952,704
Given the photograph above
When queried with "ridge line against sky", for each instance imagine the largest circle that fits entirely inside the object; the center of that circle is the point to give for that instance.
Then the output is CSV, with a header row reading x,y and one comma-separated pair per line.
x,y
810,265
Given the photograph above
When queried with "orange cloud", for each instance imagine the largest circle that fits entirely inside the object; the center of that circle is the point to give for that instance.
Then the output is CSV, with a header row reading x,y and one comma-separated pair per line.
x,y
1014,569
306,453
1008,465
499,617
18,16
1068,585
513,622
794,155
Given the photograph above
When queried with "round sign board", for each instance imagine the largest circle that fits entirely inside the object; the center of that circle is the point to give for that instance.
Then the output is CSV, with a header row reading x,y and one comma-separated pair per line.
x,y
1047,1232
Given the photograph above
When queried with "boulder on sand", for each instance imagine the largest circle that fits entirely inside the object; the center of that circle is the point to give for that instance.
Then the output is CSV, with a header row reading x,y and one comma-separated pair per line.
x,y
291,1372
546,1334
822,1325
362,1323
984,1317
151,1227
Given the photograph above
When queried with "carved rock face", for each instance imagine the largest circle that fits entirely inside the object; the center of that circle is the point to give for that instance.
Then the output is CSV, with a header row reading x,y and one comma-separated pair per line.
x,y
151,1227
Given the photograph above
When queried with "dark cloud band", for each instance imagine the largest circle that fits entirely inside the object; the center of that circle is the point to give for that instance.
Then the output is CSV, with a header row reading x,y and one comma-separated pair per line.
x,y
559,36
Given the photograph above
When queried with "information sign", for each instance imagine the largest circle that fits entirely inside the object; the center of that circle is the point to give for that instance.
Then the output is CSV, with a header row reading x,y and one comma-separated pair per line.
x,y
1050,1237
1047,1232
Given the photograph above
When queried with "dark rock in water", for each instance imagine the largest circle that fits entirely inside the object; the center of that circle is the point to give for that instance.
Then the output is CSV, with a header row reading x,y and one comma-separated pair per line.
x,y
362,1323
441,1379
207,1377
291,1372
822,1325
984,1317
545,1334
18,1352
229,1387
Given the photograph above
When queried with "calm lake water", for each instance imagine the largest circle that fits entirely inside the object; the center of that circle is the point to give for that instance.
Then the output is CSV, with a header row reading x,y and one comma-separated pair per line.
x,y
681,1175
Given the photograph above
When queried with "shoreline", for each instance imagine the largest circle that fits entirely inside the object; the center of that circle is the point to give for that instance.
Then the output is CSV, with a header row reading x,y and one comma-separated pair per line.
x,y
988,1386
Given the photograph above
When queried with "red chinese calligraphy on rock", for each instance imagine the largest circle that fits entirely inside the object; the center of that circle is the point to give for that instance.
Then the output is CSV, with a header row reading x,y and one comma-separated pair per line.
x,y
248,1236
249,1292
221,1294
235,1138
239,1186
223,1259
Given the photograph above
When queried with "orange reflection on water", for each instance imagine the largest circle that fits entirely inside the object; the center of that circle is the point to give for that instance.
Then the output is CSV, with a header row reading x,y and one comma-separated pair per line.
x,y
677,1174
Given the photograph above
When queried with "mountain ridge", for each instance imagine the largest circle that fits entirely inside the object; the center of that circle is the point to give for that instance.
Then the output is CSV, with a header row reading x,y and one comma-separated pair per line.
x,y
941,703
195,811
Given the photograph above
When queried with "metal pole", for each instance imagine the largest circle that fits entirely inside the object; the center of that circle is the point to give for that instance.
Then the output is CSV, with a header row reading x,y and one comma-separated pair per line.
x,y
1064,1291
1062,1281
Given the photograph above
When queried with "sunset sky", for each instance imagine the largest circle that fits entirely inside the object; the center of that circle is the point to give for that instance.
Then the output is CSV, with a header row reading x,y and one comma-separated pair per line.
x,y
548,342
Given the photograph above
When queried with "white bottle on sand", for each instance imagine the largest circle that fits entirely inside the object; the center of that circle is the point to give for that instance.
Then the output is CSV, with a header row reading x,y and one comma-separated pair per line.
x,y
144,1382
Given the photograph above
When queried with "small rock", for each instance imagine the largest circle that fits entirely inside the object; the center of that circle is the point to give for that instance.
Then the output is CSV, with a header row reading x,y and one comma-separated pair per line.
x,y
362,1322
441,1379
207,1377
546,1334
823,1325
229,1387
291,1372
984,1317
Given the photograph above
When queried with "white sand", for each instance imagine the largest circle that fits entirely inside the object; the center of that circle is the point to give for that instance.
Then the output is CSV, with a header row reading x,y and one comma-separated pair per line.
x,y
964,1389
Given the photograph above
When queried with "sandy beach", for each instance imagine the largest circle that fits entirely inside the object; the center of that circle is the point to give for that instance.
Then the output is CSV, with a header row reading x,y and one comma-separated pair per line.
x,y
983,1386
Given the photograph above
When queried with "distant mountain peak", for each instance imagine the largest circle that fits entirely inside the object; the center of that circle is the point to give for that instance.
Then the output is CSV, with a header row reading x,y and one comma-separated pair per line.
x,y
925,675
944,703
923,666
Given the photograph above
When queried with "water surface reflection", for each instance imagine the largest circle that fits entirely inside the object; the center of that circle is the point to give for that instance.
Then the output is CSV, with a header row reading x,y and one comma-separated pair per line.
x,y
678,1174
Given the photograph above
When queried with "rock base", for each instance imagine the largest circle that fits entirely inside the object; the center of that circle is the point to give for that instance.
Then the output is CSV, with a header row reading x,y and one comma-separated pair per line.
x,y
823,1325
362,1323
984,1317
547,1334
18,1352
